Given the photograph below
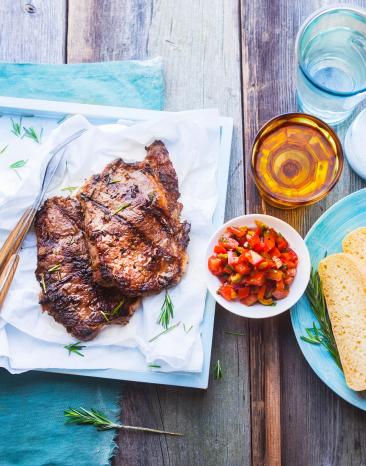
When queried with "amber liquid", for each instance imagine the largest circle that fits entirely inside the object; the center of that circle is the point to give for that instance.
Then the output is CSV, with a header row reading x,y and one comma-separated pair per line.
x,y
296,163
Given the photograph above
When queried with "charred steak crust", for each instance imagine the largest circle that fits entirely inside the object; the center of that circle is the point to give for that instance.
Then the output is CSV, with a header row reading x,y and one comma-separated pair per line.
x,y
64,271
132,223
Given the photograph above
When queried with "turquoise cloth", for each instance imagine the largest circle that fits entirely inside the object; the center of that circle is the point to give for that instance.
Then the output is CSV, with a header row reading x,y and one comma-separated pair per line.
x,y
31,405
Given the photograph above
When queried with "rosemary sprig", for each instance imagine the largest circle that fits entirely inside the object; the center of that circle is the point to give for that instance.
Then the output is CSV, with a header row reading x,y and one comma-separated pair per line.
x,y
54,268
235,333
121,207
187,330
113,181
18,164
322,335
4,149
70,188
169,329
16,127
166,312
217,370
117,308
101,422
31,133
43,283
75,348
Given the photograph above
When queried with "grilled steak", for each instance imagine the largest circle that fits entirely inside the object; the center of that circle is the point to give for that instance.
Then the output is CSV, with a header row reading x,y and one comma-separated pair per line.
x,y
64,271
132,221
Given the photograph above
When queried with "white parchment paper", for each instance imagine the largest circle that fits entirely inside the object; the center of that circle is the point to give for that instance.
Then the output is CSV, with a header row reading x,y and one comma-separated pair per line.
x,y
32,339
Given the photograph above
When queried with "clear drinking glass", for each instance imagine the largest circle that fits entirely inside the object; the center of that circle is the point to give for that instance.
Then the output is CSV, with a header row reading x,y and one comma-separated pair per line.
x,y
331,63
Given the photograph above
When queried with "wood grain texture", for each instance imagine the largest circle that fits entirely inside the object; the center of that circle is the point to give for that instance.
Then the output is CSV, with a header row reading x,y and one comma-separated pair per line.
x,y
199,41
33,34
317,427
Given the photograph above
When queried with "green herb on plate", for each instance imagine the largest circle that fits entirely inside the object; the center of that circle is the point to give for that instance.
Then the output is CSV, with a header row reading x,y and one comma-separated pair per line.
x,y
105,316
75,348
217,370
187,330
169,329
101,422
113,181
54,268
121,207
167,311
43,283
154,366
31,133
117,308
322,335
16,165
71,189
16,127
4,149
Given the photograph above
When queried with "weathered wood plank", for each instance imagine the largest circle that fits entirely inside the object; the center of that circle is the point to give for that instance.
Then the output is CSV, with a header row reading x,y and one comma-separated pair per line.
x,y
317,427
33,34
199,40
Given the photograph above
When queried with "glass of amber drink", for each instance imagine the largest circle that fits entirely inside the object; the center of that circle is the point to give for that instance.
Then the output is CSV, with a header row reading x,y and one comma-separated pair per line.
x,y
296,160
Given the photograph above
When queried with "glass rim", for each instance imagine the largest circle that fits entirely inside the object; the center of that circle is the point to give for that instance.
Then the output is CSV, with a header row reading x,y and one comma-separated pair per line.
x,y
303,28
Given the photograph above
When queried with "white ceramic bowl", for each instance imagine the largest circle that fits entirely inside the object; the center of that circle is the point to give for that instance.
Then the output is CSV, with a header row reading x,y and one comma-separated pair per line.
x,y
298,286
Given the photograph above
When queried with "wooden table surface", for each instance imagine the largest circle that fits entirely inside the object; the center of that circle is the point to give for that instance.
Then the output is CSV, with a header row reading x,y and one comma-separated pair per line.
x,y
237,55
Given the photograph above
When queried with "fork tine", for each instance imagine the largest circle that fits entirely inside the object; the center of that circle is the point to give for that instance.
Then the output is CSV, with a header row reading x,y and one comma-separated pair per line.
x,y
16,237
6,277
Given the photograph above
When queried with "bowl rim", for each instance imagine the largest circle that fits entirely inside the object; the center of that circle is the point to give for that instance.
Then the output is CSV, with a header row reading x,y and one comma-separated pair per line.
x,y
293,204
269,310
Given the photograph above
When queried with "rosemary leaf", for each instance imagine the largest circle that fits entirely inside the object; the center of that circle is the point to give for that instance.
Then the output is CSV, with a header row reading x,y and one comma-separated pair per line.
x,y
16,127
18,164
121,207
75,348
43,283
166,312
105,316
70,188
4,149
54,268
31,133
217,371
154,366
187,330
111,181
101,422
117,308
169,329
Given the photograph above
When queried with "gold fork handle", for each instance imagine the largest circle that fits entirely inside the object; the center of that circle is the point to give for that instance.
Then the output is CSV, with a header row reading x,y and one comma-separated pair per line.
x,y
6,276
15,239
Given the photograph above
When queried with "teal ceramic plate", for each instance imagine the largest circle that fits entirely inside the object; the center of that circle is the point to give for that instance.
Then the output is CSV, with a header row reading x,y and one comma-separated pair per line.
x,y
326,237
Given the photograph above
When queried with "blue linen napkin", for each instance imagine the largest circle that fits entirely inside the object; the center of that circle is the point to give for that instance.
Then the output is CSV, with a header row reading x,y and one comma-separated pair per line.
x,y
32,404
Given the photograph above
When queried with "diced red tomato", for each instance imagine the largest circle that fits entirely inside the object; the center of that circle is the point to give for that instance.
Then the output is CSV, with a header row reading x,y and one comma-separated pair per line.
x,y
281,242
249,300
253,265
243,292
257,279
280,294
269,240
228,243
236,231
243,269
275,275
219,249
227,292
214,265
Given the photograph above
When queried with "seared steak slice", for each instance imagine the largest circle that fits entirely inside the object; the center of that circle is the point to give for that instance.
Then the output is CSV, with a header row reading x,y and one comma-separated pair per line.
x,y
64,271
131,216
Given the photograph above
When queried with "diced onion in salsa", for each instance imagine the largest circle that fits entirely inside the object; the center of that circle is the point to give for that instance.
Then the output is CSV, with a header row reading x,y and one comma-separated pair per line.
x,y
254,265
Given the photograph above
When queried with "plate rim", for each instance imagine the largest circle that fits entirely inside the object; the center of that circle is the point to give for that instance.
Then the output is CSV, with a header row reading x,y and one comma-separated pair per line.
x,y
361,403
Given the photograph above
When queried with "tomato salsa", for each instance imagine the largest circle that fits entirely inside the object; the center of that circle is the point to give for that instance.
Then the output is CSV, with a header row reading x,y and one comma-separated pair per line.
x,y
253,265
